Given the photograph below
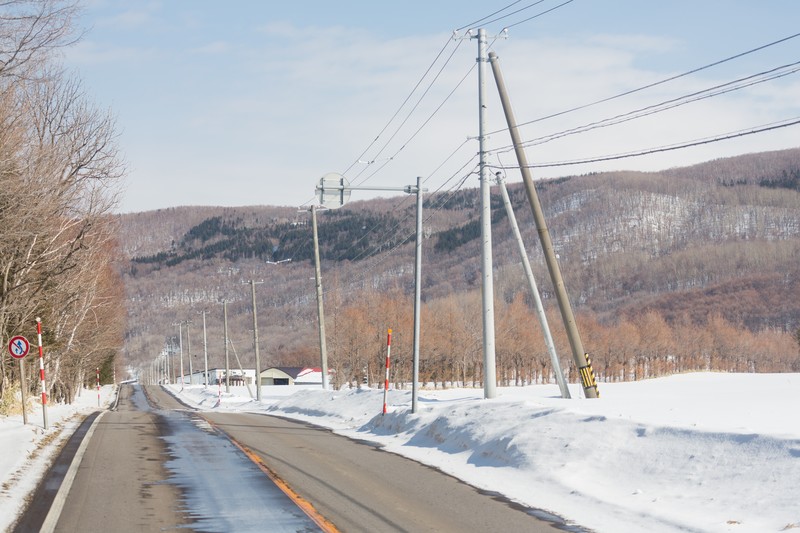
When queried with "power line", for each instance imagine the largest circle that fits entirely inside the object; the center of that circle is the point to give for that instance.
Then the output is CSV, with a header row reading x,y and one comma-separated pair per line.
x,y
420,128
402,203
473,24
668,148
411,111
481,21
402,105
538,15
717,90
654,84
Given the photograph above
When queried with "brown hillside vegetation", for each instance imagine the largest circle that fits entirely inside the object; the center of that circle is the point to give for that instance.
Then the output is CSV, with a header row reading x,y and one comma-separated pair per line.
x,y
686,269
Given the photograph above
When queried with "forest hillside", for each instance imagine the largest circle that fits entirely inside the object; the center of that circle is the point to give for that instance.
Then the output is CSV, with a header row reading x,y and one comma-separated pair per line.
x,y
692,267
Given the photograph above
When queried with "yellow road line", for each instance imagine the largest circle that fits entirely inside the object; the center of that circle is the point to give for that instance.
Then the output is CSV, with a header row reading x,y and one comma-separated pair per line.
x,y
324,524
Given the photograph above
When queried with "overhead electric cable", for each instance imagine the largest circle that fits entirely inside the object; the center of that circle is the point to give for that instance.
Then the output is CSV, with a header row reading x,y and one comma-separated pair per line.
x,y
416,86
399,222
473,24
654,84
717,90
362,275
509,14
414,108
425,123
538,15
707,140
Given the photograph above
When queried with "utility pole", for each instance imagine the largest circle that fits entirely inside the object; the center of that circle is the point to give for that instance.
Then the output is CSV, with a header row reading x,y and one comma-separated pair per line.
x,y
334,191
180,346
205,348
579,355
487,286
253,284
417,298
189,348
227,361
323,350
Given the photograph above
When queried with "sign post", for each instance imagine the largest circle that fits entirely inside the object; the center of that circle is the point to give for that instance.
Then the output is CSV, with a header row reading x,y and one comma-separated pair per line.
x,y
19,347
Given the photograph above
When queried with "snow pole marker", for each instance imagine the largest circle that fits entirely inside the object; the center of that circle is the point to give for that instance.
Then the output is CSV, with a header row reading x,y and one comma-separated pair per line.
x,y
98,386
588,378
386,381
41,371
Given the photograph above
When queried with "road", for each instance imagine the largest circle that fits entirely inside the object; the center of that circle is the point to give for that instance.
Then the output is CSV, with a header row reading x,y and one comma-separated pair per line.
x,y
154,465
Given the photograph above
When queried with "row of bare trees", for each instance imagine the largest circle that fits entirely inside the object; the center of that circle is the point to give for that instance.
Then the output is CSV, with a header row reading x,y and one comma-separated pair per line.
x,y
636,348
59,169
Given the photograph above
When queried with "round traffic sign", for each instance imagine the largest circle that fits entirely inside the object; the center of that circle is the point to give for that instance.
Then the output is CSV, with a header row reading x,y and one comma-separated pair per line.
x,y
18,347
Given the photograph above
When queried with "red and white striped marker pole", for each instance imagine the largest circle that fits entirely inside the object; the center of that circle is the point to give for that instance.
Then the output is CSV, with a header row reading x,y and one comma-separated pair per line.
x,y
41,371
388,359
98,386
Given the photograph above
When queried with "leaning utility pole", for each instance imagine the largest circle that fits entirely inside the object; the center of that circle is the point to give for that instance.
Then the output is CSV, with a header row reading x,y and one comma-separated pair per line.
x,y
487,286
579,355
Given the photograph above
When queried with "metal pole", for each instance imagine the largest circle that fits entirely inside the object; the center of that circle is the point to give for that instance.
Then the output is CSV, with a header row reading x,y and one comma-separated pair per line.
x,y
255,341
417,297
23,389
578,353
189,352
41,371
227,360
526,265
487,286
205,348
180,344
323,351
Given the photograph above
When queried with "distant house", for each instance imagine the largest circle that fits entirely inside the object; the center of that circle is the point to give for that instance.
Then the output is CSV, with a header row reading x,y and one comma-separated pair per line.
x,y
217,376
292,375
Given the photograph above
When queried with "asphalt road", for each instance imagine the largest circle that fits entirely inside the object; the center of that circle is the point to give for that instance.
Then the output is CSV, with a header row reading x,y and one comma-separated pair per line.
x,y
153,465
360,488
121,484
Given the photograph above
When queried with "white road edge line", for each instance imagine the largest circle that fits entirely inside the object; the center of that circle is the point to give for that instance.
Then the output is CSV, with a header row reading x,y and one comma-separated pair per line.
x,y
54,514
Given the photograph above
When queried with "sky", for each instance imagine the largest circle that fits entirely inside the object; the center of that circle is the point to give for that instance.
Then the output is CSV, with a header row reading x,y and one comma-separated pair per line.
x,y
252,102
708,452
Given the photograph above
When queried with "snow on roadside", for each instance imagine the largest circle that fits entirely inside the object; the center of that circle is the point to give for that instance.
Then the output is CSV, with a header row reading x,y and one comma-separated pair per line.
x,y
697,452
29,450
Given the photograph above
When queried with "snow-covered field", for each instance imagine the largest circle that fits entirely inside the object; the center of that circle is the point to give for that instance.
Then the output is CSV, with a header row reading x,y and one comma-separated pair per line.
x,y
695,452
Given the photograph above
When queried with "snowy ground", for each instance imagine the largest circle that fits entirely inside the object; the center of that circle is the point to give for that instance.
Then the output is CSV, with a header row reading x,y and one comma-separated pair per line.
x,y
26,451
695,452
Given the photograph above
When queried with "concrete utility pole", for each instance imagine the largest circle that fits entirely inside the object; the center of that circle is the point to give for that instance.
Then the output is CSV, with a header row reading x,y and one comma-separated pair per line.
x,y
323,350
417,298
180,346
225,334
253,284
189,354
487,285
579,355
205,348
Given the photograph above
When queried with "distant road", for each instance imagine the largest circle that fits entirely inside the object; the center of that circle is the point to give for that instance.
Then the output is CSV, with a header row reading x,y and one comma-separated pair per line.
x,y
155,465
